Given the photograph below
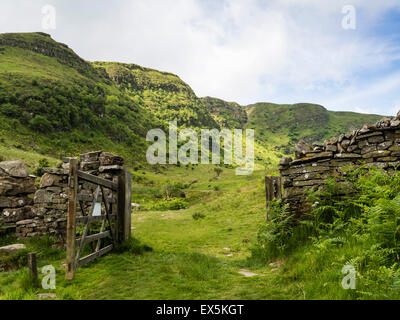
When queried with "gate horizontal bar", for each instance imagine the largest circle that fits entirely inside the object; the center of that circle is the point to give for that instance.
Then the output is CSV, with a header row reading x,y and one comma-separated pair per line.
x,y
93,237
89,198
94,255
92,219
96,180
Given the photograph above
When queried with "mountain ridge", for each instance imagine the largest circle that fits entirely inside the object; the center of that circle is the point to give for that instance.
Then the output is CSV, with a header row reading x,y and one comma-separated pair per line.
x,y
47,90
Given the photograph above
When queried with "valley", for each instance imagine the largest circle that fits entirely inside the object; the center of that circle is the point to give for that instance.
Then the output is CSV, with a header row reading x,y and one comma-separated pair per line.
x,y
199,232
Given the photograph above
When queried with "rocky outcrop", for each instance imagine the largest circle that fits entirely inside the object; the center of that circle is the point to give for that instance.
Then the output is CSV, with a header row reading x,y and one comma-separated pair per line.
x,y
42,43
374,145
12,248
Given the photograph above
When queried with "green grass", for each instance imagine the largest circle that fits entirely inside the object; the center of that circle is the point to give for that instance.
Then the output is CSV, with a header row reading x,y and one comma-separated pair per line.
x,y
197,258
189,259
31,159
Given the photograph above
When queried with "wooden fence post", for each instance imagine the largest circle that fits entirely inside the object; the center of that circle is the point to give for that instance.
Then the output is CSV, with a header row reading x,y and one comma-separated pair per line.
x,y
124,206
277,183
273,190
32,265
268,194
72,196
128,206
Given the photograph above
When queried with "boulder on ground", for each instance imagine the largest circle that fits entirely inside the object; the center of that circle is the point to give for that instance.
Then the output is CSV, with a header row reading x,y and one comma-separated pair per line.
x,y
12,248
47,296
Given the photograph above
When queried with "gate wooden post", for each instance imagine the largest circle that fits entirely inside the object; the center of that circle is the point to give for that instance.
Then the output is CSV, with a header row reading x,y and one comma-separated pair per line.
x,y
72,196
277,183
128,206
273,190
268,194
32,265
124,206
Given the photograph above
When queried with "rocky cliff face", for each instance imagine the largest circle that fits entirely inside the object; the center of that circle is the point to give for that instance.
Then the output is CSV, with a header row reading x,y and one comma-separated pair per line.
x,y
226,114
42,43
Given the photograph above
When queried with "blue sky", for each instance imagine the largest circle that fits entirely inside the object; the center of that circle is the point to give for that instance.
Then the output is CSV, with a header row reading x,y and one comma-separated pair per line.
x,y
282,51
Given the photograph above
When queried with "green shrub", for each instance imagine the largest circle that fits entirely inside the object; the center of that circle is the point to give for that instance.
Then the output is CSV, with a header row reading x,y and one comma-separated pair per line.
x,y
355,221
172,204
174,190
10,110
273,235
197,216
40,124
363,208
13,261
218,171
43,163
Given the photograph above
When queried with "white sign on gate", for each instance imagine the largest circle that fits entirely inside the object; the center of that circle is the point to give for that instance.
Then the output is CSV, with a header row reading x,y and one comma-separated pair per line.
x,y
97,209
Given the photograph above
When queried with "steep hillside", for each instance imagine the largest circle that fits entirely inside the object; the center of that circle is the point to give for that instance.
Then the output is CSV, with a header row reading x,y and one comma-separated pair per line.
x,y
164,94
279,127
226,114
55,103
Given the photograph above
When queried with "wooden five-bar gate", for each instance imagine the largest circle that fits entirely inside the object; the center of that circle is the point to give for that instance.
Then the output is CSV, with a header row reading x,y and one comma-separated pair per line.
x,y
110,206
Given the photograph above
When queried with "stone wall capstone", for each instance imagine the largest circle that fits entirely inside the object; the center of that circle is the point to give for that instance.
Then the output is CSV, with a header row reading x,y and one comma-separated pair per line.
x,y
373,145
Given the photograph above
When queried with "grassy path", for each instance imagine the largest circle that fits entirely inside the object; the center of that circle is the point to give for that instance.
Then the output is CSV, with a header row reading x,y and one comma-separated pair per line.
x,y
195,259
190,258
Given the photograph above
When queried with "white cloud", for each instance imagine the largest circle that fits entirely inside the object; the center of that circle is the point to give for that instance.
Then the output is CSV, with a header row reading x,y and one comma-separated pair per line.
x,y
241,50
386,88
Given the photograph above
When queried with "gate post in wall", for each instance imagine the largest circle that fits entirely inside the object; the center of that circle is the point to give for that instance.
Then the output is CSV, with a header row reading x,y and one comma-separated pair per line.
x,y
124,206
72,200
273,190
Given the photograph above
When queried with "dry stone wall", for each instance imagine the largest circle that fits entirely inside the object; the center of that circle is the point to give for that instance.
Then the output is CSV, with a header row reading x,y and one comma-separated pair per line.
x,y
32,212
16,189
373,145
50,206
